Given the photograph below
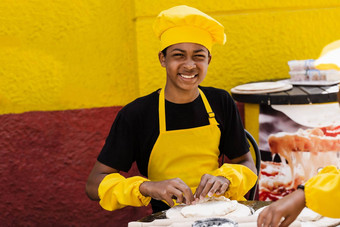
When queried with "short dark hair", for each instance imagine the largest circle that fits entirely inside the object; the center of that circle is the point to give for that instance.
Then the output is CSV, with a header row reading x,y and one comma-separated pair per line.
x,y
164,51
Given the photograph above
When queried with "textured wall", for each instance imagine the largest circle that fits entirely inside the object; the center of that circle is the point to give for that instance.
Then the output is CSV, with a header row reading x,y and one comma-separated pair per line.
x,y
45,160
59,55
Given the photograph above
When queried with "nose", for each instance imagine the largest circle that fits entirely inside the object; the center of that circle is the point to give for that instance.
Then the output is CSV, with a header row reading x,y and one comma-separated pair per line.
x,y
190,64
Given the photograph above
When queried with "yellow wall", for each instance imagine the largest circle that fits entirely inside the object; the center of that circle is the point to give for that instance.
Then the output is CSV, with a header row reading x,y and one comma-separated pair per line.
x,y
57,55
62,54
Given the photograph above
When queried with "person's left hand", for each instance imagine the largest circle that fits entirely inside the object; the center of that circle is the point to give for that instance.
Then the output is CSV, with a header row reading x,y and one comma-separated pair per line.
x,y
282,212
210,185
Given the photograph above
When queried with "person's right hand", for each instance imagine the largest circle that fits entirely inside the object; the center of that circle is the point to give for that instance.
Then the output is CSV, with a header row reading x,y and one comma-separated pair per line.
x,y
168,190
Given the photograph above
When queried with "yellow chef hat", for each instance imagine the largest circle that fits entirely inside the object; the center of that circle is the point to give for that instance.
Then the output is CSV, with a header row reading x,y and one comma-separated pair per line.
x,y
184,24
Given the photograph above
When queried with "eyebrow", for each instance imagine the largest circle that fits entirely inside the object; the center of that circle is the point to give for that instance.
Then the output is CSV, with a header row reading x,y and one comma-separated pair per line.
x,y
195,51
177,49
199,50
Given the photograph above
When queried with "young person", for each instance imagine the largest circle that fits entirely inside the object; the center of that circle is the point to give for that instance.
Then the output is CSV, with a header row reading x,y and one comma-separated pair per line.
x,y
176,133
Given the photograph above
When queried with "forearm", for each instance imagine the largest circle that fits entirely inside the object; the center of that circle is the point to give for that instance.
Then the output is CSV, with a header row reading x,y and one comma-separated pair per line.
x,y
246,160
92,185
249,164
97,174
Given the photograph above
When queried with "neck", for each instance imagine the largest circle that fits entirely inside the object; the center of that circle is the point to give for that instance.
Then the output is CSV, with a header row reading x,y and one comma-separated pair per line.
x,y
181,96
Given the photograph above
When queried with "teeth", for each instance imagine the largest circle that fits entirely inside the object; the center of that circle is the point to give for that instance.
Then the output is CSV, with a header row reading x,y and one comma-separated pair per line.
x,y
187,77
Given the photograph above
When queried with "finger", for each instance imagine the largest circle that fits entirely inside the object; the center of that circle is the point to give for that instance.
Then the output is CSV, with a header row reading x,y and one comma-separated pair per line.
x,y
170,201
268,220
188,197
261,218
206,188
287,221
176,195
200,187
183,193
224,187
277,219
179,198
214,188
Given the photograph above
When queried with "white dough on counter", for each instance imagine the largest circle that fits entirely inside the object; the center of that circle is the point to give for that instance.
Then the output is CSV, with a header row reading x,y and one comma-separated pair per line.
x,y
308,215
215,207
209,209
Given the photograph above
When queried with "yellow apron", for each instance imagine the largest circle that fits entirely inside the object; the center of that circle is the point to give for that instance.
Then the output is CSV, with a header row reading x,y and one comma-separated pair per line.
x,y
186,153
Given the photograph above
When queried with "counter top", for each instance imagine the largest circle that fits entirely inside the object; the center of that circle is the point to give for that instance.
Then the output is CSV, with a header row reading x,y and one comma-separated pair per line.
x,y
296,95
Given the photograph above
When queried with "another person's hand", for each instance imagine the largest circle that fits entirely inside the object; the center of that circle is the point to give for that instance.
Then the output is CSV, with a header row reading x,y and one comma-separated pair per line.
x,y
211,185
168,190
289,207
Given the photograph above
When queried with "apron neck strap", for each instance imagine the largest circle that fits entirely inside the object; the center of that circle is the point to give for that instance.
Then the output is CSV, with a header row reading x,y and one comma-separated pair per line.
x,y
211,114
161,110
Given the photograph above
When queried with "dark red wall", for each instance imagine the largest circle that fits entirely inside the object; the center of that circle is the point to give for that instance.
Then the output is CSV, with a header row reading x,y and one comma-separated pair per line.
x,y
45,160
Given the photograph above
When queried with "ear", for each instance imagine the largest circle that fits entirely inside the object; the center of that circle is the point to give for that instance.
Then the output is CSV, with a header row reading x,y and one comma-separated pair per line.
x,y
209,59
161,58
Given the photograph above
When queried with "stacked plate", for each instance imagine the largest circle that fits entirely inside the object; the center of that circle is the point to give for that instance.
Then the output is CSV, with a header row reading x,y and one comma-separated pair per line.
x,y
261,87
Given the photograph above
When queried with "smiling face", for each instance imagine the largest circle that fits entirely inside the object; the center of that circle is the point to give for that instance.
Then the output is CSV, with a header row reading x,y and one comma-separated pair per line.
x,y
186,66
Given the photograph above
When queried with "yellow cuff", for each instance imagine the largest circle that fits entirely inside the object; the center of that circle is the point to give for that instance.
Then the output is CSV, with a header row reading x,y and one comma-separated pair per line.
x,y
241,178
116,191
322,192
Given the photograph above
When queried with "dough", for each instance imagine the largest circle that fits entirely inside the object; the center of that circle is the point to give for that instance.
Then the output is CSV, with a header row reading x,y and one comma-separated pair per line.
x,y
209,209
308,215
214,207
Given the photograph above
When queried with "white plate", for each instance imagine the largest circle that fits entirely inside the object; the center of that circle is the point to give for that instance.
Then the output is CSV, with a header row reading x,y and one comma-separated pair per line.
x,y
283,88
259,86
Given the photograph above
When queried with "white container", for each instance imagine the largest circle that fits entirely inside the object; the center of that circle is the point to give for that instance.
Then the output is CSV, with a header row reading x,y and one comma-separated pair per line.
x,y
315,75
300,65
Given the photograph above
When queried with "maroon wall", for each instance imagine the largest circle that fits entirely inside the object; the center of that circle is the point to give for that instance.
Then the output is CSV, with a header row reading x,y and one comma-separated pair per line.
x,y
45,160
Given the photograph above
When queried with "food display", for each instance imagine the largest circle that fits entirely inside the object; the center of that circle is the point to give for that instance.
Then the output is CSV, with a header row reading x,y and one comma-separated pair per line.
x,y
302,154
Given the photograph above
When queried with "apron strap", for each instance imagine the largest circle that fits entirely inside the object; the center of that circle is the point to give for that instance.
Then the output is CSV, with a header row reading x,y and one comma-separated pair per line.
x,y
211,114
161,110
